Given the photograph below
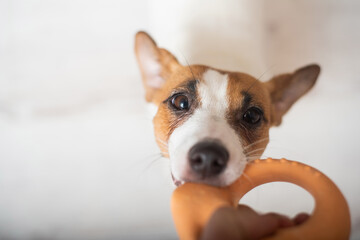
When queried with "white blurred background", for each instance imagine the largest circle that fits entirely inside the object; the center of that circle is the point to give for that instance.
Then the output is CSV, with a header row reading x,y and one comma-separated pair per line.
x,y
77,155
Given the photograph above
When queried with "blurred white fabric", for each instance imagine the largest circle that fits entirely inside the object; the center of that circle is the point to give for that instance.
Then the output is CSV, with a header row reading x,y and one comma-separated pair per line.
x,y
77,155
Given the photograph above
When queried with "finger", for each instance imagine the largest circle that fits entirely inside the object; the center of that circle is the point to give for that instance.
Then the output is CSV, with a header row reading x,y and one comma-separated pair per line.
x,y
246,210
223,224
265,225
301,218
284,221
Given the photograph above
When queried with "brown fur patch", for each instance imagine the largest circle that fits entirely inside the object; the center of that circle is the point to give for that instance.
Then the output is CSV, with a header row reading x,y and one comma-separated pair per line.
x,y
166,120
244,92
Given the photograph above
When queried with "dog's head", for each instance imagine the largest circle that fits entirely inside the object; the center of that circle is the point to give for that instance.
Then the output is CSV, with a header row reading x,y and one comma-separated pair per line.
x,y
210,122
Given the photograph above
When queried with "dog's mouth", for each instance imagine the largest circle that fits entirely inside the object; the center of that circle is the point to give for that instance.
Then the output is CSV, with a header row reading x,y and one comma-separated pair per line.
x,y
177,182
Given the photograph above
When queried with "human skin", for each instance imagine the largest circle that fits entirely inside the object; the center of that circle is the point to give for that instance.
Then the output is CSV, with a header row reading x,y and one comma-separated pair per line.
x,y
247,224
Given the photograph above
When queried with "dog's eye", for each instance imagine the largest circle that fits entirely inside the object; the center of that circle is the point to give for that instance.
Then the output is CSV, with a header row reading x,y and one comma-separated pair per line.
x,y
180,102
252,115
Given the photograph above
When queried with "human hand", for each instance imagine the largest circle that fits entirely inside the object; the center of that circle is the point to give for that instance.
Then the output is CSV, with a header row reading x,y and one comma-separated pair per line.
x,y
244,223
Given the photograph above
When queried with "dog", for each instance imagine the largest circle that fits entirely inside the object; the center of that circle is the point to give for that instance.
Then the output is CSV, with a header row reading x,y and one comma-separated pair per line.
x,y
210,123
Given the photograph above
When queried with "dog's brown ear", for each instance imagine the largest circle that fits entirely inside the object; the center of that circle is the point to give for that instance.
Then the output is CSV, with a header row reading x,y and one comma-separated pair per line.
x,y
286,89
156,64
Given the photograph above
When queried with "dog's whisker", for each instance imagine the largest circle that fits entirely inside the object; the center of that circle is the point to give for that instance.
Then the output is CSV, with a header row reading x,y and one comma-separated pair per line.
x,y
163,153
149,156
253,157
248,178
258,79
143,170
256,142
246,131
162,143
266,71
255,150
152,162
189,66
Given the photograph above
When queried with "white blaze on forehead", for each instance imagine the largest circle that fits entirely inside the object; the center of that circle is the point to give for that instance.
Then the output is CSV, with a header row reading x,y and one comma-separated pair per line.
x,y
213,92
207,121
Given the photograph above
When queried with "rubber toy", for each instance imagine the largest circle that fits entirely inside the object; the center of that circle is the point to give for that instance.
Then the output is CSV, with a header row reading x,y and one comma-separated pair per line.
x,y
193,204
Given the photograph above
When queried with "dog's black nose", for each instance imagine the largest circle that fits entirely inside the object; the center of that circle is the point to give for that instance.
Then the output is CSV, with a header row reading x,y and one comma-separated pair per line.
x,y
208,158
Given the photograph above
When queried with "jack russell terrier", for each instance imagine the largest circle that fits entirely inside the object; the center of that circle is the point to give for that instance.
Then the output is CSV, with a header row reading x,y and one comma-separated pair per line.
x,y
211,122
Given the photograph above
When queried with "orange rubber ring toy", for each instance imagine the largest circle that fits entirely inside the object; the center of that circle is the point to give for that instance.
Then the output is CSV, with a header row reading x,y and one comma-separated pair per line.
x,y
193,204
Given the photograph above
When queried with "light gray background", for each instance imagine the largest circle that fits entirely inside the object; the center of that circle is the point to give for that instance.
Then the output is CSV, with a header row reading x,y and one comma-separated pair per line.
x,y
77,156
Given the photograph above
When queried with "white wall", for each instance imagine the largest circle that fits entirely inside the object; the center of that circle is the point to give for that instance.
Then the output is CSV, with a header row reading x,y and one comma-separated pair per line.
x,y
58,52
77,156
